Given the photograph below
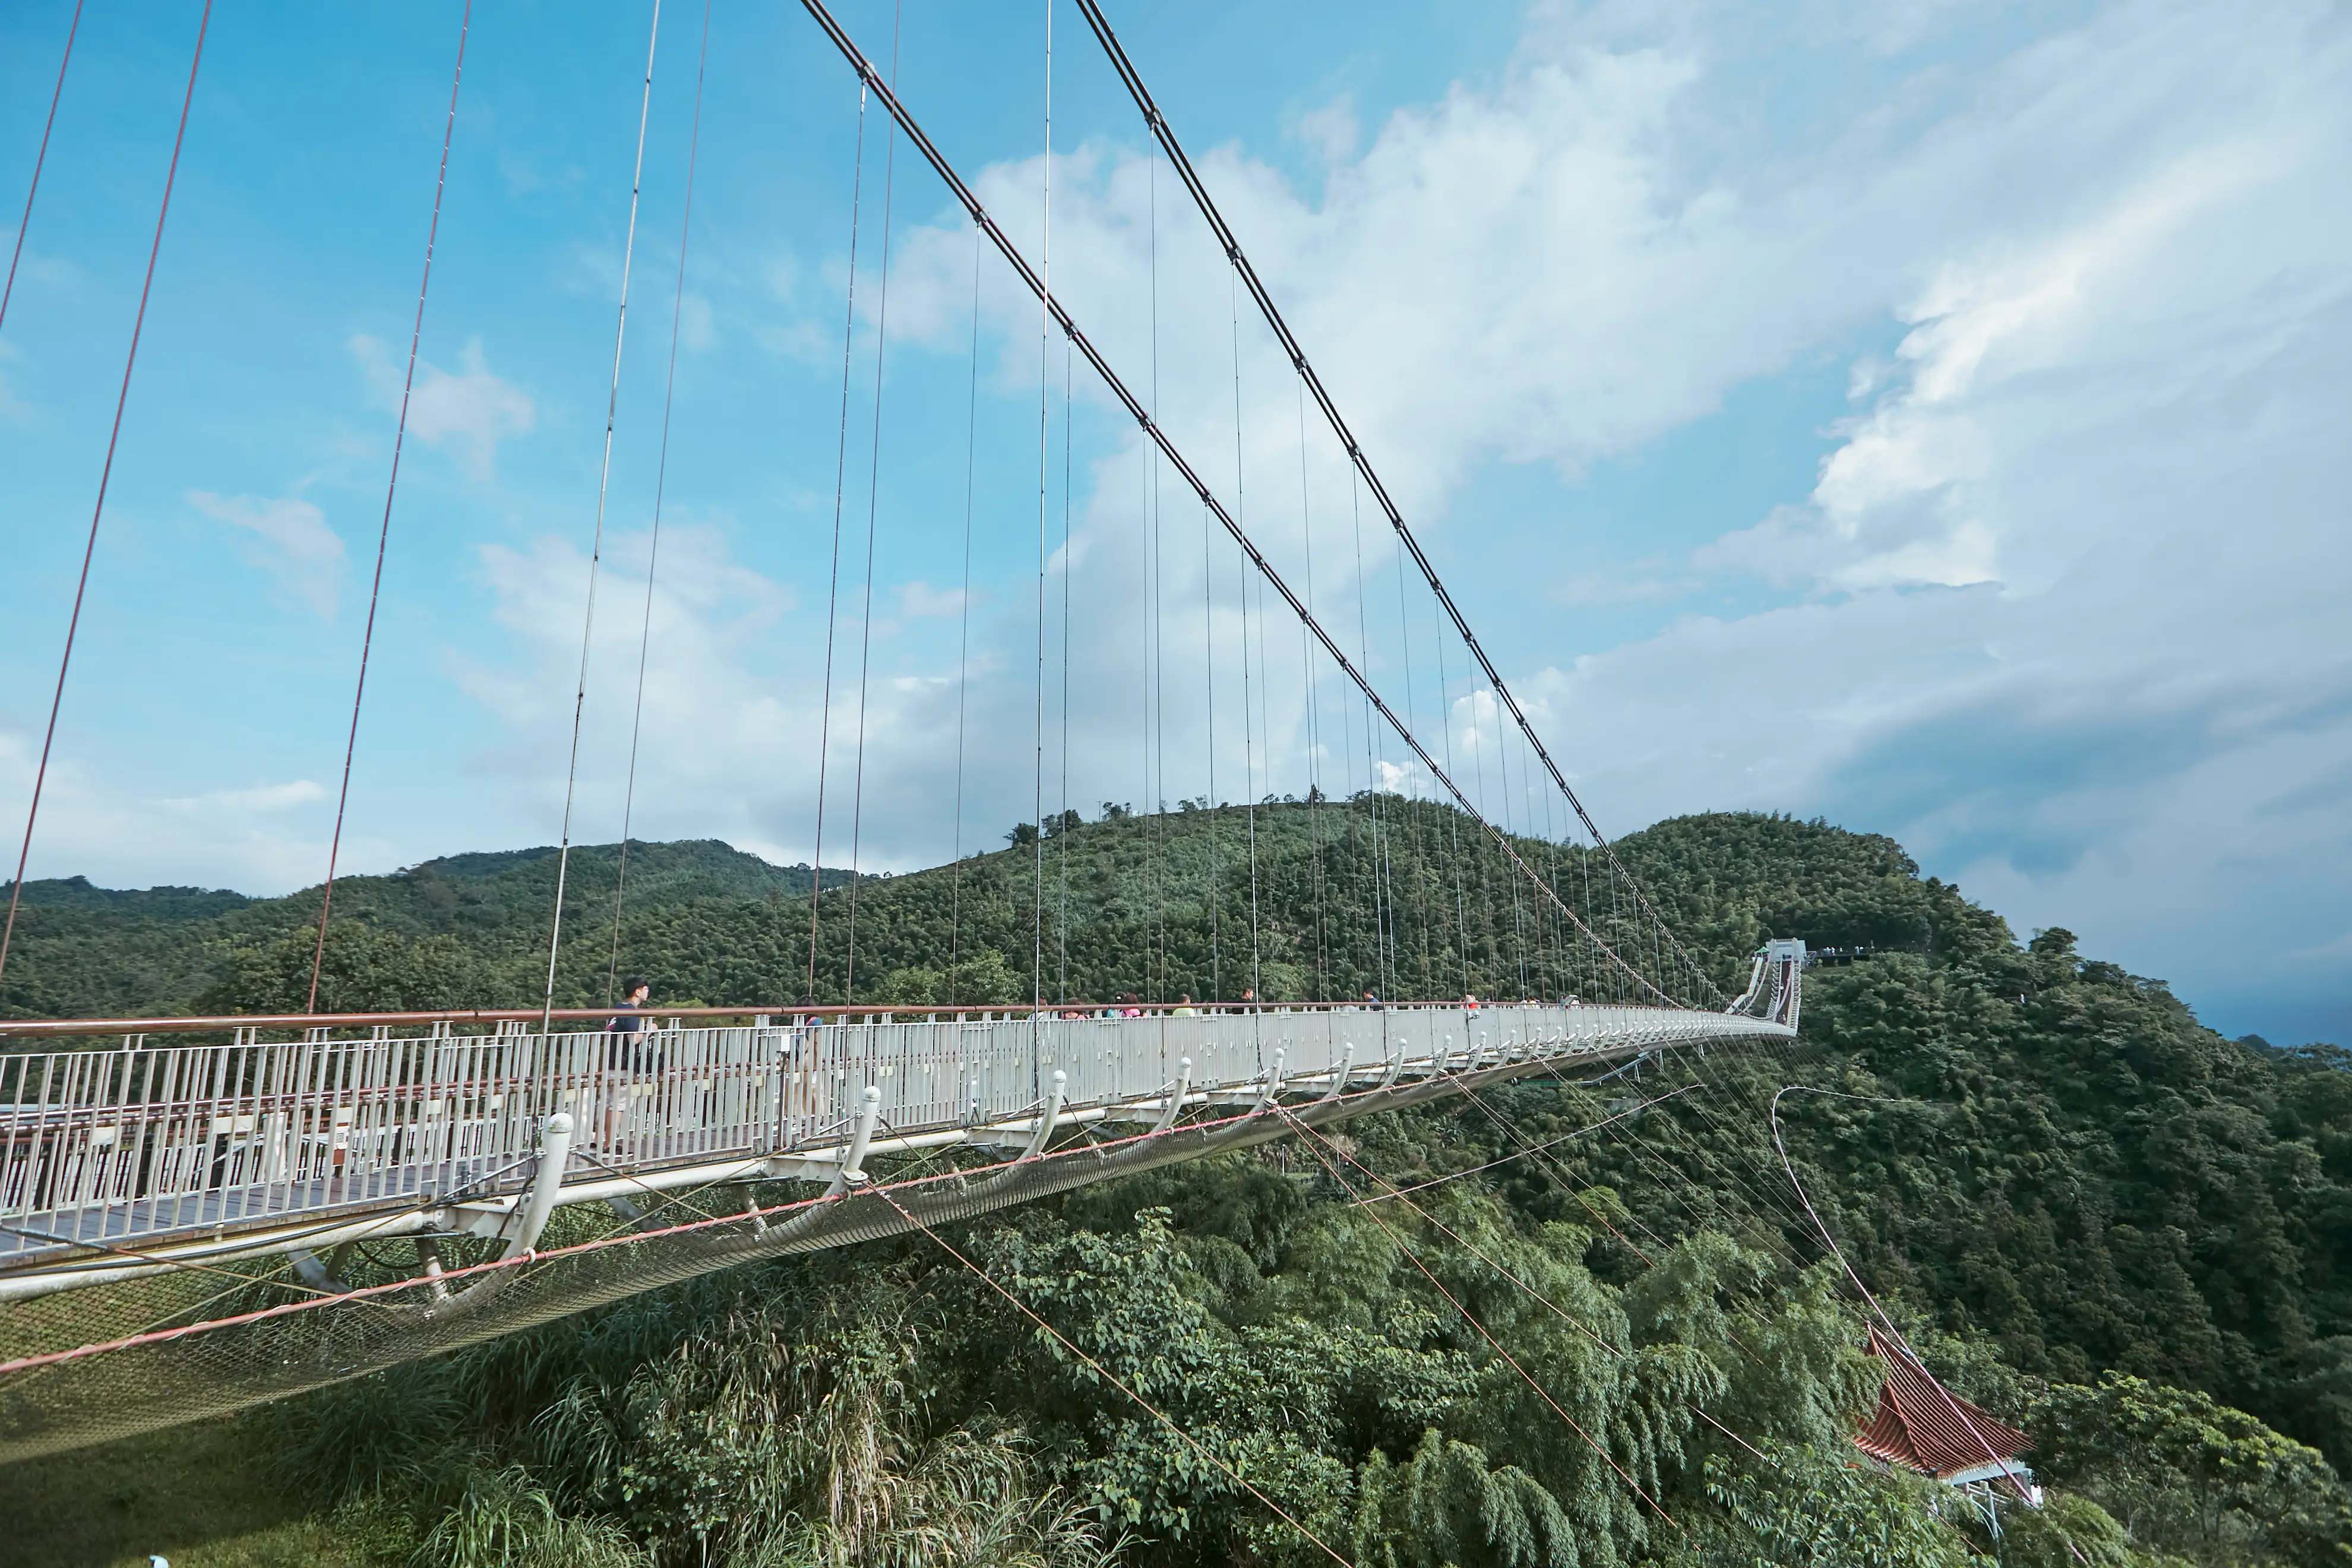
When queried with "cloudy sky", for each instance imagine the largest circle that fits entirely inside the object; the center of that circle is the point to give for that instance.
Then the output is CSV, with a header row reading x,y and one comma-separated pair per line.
x,y
1931,417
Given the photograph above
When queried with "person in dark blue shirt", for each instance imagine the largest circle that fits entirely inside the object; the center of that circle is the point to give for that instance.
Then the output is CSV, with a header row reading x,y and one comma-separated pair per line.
x,y
625,1058
624,1046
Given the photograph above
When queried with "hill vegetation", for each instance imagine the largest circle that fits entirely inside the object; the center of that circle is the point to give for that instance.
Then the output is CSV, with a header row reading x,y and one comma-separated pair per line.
x,y
2097,1217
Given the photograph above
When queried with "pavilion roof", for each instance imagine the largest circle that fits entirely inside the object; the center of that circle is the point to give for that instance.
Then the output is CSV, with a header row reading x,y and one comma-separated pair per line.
x,y
1925,1428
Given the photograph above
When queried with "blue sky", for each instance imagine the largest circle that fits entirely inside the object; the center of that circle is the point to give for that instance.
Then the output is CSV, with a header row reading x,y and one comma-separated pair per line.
x,y
1925,416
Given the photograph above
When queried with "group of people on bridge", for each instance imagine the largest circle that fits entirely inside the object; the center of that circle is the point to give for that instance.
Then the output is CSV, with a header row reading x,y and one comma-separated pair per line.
x,y
635,1017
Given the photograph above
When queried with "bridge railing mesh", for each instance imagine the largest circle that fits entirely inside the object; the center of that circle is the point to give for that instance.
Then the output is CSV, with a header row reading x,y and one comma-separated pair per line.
x,y
108,1361
154,1138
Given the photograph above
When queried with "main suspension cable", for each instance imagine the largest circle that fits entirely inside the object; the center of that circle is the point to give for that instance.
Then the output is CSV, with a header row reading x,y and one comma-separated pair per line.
x,y
384,529
105,476
596,543
1133,80
1059,316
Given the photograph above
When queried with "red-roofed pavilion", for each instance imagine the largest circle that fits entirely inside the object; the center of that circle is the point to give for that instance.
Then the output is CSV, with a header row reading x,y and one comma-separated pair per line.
x,y
1928,1430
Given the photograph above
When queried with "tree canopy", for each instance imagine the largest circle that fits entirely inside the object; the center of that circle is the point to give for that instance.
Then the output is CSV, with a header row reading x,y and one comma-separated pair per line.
x,y
2092,1216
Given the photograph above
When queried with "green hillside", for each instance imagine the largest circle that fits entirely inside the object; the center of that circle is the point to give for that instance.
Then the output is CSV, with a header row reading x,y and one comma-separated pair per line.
x,y
84,952
1313,899
2097,1217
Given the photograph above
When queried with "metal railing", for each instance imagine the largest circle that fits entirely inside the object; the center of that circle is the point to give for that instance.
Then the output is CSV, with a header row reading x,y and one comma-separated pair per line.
x,y
158,1139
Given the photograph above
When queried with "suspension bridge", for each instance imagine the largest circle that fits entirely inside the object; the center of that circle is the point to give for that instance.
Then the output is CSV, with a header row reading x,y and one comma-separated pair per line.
x,y
202,1214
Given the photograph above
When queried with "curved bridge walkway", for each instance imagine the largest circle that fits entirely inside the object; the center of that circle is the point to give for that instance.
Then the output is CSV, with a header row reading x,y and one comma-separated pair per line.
x,y
154,1154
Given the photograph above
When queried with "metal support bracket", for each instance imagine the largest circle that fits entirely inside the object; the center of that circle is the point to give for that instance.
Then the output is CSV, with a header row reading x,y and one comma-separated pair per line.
x,y
546,1183
853,1164
1049,1117
1273,1084
1175,1106
326,1275
1343,1072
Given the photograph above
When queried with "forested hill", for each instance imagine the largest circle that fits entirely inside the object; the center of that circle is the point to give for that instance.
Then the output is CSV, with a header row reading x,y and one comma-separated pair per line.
x,y
88,952
2044,1161
1298,900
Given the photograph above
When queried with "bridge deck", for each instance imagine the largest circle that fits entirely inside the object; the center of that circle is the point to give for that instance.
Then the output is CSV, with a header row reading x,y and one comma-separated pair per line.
x,y
153,1148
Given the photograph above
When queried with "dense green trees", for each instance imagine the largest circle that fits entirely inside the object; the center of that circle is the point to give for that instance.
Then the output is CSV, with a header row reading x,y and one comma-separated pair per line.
x,y
2094,1216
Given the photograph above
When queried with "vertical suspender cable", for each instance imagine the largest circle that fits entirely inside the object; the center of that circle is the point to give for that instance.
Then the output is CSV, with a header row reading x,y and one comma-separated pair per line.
x,y
833,589
1136,410
1166,137
661,484
1320,865
596,541
1593,972
873,513
1209,663
39,159
1045,385
1383,908
1157,773
1412,718
1519,924
1061,920
106,474
383,529
1314,723
1208,635
963,629
1486,907
1250,731
1454,823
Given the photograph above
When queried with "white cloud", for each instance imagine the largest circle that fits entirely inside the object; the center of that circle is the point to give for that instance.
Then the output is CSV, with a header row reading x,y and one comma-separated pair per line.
x,y
253,800
1331,130
918,598
2070,577
106,822
2059,606
288,538
471,411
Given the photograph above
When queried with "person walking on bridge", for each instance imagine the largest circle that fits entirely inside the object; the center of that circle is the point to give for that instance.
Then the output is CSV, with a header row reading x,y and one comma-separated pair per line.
x,y
627,1058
